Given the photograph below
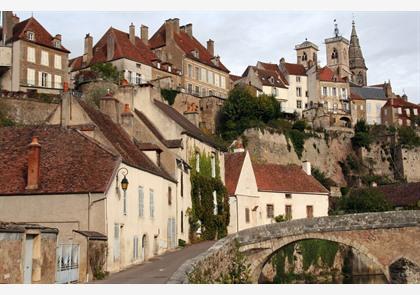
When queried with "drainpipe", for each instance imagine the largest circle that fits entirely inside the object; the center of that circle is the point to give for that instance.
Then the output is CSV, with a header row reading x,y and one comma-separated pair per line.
x,y
237,213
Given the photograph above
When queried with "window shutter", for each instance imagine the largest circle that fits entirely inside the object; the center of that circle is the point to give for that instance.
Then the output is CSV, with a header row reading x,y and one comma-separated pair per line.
x,y
152,205
141,202
39,78
30,77
49,80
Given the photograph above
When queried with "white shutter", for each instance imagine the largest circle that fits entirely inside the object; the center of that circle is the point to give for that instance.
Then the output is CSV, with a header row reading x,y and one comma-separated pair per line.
x,y
57,81
30,77
152,205
39,78
31,54
44,58
57,61
141,202
49,78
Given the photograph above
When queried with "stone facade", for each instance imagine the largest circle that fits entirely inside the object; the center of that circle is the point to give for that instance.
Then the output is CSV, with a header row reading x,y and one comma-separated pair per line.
x,y
27,111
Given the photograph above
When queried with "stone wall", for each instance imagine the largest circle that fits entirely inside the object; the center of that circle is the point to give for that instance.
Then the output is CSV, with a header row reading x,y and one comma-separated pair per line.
x,y
410,159
11,245
27,111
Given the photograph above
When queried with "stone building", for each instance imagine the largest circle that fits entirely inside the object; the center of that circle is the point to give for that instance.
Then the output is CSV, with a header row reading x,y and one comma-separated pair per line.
x,y
31,60
27,253
400,112
356,61
202,71
257,197
130,54
375,98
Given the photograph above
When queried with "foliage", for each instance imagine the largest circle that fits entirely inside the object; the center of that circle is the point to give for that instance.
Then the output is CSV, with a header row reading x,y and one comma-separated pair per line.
x,y
97,259
106,71
408,137
280,218
95,94
299,125
181,243
361,138
239,270
364,200
242,111
298,139
202,212
312,250
322,178
169,95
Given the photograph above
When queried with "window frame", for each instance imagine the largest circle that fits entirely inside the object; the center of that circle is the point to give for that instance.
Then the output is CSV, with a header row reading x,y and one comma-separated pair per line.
x,y
270,210
151,203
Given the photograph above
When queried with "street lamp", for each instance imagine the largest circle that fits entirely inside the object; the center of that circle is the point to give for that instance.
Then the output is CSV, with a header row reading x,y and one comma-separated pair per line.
x,y
124,181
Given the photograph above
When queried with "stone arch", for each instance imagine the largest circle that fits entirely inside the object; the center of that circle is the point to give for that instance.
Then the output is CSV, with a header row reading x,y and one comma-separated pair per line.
x,y
258,260
345,121
403,271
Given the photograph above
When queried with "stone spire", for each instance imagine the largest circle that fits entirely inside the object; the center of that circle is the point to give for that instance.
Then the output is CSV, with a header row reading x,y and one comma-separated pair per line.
x,y
356,60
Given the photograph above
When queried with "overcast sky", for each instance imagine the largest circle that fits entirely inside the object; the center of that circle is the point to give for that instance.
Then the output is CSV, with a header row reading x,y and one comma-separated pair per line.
x,y
390,40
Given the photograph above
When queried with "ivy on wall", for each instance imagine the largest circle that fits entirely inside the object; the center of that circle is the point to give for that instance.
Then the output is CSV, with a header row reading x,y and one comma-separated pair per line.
x,y
213,226
169,95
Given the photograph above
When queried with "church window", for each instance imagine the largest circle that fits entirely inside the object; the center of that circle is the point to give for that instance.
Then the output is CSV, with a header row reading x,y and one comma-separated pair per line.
x,y
334,54
304,56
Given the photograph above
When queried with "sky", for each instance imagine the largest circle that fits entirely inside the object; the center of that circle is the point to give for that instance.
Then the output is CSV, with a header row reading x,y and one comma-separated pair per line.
x,y
390,41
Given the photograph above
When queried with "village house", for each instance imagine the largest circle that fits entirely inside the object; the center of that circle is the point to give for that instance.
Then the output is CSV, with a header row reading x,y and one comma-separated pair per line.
x,y
130,54
261,192
357,107
31,59
374,99
203,74
400,112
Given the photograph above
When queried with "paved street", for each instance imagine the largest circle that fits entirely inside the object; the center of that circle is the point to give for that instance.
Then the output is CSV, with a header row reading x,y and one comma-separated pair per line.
x,y
157,270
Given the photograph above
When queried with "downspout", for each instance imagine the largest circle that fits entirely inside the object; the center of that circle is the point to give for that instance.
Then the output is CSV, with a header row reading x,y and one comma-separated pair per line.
x,y
237,213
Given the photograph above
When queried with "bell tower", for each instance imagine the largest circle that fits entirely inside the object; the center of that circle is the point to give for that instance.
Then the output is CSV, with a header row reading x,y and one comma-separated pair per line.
x,y
306,53
357,62
337,49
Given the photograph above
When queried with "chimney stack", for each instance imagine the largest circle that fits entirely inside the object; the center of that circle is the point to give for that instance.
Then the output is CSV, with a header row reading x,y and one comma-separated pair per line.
x,y
188,30
127,119
132,34
210,47
306,166
109,105
7,24
144,34
58,37
88,54
34,155
110,47
169,31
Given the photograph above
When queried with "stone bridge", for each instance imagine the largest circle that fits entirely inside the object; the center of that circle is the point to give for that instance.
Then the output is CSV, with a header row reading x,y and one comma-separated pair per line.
x,y
390,239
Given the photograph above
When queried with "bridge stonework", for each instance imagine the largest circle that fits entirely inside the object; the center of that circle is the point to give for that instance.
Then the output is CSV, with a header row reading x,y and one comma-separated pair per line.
x,y
386,238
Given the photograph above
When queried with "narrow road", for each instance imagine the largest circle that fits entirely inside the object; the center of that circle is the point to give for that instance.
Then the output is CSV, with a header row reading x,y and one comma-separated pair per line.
x,y
156,270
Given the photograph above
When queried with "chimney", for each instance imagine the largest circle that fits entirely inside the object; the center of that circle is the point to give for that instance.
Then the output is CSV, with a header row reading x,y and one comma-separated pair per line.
x,y
144,34
210,47
192,114
110,47
7,24
88,54
132,34
188,30
109,105
175,25
169,31
239,147
306,166
58,37
127,119
34,154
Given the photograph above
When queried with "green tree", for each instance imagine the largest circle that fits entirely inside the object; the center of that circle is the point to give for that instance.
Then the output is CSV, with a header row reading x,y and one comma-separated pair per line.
x,y
361,137
322,178
408,137
106,71
299,125
364,200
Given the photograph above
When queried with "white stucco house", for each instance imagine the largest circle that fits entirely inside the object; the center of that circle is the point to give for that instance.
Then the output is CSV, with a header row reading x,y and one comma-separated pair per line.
x,y
260,192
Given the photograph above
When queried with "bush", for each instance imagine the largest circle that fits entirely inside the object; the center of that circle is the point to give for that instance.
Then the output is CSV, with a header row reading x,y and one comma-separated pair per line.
x,y
364,200
322,178
280,218
408,137
298,139
361,138
106,71
181,243
299,125
169,95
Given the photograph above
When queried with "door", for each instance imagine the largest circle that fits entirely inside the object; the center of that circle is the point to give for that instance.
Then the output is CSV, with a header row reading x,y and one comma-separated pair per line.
x,y
27,274
171,233
116,242
143,247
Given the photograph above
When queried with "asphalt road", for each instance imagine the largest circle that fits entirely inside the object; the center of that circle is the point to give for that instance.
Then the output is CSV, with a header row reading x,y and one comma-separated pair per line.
x,y
156,270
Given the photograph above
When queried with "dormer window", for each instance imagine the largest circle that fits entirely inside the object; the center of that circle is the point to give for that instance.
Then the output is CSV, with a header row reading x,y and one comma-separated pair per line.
x,y
31,36
169,69
158,65
195,53
57,44
271,80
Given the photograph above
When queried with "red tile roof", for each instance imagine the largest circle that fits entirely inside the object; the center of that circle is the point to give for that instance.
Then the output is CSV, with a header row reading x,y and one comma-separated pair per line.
x,y
274,68
70,162
234,77
269,78
405,194
42,37
326,74
286,178
295,69
188,45
399,102
122,143
233,167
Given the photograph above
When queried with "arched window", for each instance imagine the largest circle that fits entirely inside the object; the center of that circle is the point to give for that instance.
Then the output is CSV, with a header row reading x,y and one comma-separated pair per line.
x,y
334,54
304,56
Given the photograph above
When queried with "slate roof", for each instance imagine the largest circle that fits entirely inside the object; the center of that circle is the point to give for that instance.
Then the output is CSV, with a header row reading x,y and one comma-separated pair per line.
x,y
233,167
295,69
188,45
402,195
42,36
70,162
369,92
286,178
122,143
189,128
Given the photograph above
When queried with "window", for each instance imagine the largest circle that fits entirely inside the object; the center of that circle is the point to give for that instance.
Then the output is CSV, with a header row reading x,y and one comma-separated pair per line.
x,y
334,54
270,210
190,71
116,241
182,221
130,76
158,65
30,78
304,56
190,87
344,93
197,162
297,79
213,165
288,210
135,248
407,112
298,92
44,58
169,195
44,77
169,69
138,66
415,112
334,91
141,202
288,196
182,183
324,91
31,36
203,75
197,73
31,54
223,82
197,90
152,203
57,61
57,44
211,77
138,78
57,82
216,80
247,215
309,211
298,104
306,93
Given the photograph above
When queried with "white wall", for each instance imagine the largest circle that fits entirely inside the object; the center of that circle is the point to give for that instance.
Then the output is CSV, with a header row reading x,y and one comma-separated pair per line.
x,y
292,98
373,110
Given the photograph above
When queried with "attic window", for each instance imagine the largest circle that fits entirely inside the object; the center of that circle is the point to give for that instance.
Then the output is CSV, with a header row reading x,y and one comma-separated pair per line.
x,y
272,80
57,44
169,69
195,53
158,65
31,35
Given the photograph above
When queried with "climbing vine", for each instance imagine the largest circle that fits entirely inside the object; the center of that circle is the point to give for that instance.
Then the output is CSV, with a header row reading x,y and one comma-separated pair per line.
x,y
202,214
169,95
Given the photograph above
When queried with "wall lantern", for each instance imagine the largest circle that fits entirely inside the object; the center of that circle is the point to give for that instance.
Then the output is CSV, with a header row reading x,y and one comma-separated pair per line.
x,y
124,181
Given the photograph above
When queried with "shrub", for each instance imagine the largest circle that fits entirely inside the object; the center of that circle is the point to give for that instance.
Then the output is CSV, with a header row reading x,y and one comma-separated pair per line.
x,y
169,95
280,218
181,243
322,178
299,125
408,137
364,200
106,71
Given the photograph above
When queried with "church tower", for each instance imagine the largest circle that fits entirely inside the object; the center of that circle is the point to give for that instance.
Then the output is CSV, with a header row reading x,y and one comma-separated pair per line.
x,y
306,53
337,49
357,62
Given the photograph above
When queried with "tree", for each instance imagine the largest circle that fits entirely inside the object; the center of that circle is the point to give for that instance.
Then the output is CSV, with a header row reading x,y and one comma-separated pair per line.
x,y
364,200
361,137
408,137
106,71
322,178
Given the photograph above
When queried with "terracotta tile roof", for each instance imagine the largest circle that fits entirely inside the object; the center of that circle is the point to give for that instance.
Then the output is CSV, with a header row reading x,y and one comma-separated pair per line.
x,y
233,167
188,45
355,96
189,128
326,74
122,143
173,143
234,77
147,146
269,78
399,102
70,162
295,69
138,52
274,68
405,194
286,178
42,37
